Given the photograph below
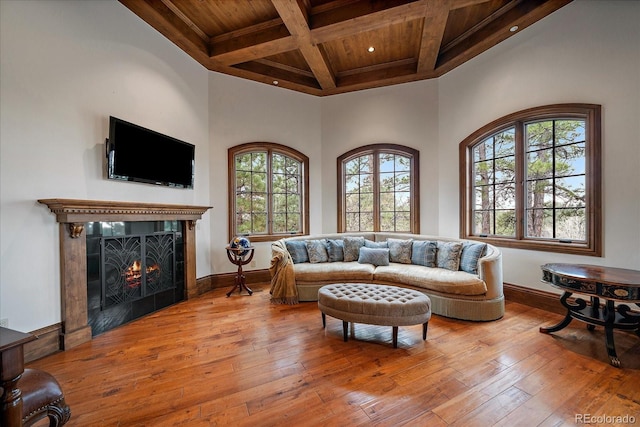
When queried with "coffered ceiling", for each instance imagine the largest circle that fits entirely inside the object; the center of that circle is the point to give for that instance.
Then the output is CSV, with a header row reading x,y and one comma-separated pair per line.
x,y
325,47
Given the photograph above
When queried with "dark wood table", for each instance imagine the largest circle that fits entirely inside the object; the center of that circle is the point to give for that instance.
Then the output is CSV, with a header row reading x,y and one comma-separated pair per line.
x,y
613,285
11,369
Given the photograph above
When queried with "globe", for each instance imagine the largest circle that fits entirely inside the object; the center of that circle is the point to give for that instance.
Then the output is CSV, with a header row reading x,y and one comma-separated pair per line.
x,y
239,243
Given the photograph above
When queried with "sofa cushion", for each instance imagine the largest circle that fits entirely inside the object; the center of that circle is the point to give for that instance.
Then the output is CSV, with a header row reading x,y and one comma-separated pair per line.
x,y
333,272
375,256
352,247
335,249
298,250
423,252
471,253
317,250
371,244
436,279
448,255
400,250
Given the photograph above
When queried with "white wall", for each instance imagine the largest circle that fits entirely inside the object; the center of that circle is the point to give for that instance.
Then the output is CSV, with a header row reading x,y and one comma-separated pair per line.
x,y
405,114
588,51
243,111
66,66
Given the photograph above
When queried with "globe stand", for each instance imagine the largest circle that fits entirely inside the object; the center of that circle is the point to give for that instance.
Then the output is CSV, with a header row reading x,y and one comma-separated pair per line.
x,y
234,256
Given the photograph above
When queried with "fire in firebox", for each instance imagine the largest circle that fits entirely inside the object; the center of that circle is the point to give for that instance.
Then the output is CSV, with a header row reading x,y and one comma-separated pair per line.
x,y
133,274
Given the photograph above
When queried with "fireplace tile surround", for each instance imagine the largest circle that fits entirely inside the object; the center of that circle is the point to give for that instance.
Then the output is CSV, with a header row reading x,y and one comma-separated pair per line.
x,y
72,215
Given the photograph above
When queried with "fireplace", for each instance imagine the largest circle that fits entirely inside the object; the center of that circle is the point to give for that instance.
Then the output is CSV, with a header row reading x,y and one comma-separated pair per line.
x,y
77,229
133,268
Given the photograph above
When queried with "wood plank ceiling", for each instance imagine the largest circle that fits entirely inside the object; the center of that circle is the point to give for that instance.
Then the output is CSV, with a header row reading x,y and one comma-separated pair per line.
x,y
323,47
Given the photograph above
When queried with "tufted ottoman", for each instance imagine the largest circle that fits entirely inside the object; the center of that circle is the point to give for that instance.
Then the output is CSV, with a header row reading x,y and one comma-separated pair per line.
x,y
374,305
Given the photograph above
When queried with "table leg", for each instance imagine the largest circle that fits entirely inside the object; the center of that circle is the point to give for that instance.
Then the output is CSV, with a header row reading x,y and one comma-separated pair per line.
x,y
611,348
563,324
240,283
567,319
395,337
578,305
609,317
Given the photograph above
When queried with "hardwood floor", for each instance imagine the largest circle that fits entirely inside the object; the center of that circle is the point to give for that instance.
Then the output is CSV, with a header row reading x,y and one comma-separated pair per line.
x,y
242,361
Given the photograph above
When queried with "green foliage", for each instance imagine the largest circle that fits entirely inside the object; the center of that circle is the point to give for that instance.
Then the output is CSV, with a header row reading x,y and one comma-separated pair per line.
x,y
555,175
393,197
255,202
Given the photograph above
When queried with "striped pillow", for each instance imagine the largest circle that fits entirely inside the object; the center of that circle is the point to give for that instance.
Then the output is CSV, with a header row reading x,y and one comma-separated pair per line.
x,y
471,253
424,253
335,248
298,251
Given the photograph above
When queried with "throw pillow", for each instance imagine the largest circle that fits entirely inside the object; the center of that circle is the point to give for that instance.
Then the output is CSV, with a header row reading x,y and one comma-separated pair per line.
x,y
471,252
298,251
424,253
352,247
375,256
335,248
400,250
449,255
317,251
371,244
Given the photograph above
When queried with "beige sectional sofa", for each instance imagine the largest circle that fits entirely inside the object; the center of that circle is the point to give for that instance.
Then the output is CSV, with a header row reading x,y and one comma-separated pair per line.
x,y
457,294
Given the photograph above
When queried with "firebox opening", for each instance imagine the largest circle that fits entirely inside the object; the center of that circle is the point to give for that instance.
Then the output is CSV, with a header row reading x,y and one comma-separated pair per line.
x,y
133,268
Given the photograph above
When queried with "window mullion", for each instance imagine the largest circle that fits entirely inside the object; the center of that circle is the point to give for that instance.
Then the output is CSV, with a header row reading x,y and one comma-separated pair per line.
x,y
554,180
269,195
521,181
376,191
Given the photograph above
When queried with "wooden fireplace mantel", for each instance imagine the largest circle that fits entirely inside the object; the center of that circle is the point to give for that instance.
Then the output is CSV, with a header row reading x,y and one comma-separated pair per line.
x,y
72,215
71,210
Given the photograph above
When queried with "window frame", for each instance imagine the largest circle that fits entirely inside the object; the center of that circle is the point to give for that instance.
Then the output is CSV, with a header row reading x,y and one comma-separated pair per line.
x,y
591,114
375,150
271,148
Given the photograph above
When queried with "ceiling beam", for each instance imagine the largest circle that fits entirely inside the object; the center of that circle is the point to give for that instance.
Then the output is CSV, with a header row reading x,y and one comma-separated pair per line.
x,y
162,18
252,45
295,17
522,14
435,22
333,24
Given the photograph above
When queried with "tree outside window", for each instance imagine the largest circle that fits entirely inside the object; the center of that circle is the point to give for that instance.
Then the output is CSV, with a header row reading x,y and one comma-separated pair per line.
x,y
268,191
532,180
378,189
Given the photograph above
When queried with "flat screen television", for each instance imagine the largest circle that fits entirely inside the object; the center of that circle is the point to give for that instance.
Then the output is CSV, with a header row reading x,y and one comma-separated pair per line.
x,y
138,154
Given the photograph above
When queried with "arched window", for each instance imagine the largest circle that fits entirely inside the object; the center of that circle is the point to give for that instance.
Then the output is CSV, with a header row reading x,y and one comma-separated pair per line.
x,y
268,191
531,180
378,189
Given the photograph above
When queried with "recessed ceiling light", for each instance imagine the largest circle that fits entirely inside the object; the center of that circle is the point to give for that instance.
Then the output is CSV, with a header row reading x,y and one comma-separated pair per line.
x,y
371,49
514,29
275,82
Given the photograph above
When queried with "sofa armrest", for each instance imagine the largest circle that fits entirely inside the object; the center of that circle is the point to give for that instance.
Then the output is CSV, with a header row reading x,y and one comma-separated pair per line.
x,y
490,271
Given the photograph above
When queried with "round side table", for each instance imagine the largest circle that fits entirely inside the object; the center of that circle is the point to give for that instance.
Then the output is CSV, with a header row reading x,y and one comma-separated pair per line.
x,y
237,257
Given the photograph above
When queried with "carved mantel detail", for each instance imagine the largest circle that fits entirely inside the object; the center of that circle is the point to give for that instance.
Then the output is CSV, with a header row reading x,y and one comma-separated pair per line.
x,y
76,229
72,215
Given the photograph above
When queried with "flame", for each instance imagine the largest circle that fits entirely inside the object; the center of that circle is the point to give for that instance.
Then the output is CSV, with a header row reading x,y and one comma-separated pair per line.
x,y
133,274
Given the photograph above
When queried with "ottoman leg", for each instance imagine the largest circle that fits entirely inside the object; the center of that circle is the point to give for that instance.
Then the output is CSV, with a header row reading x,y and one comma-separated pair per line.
x,y
345,330
324,320
424,331
395,337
